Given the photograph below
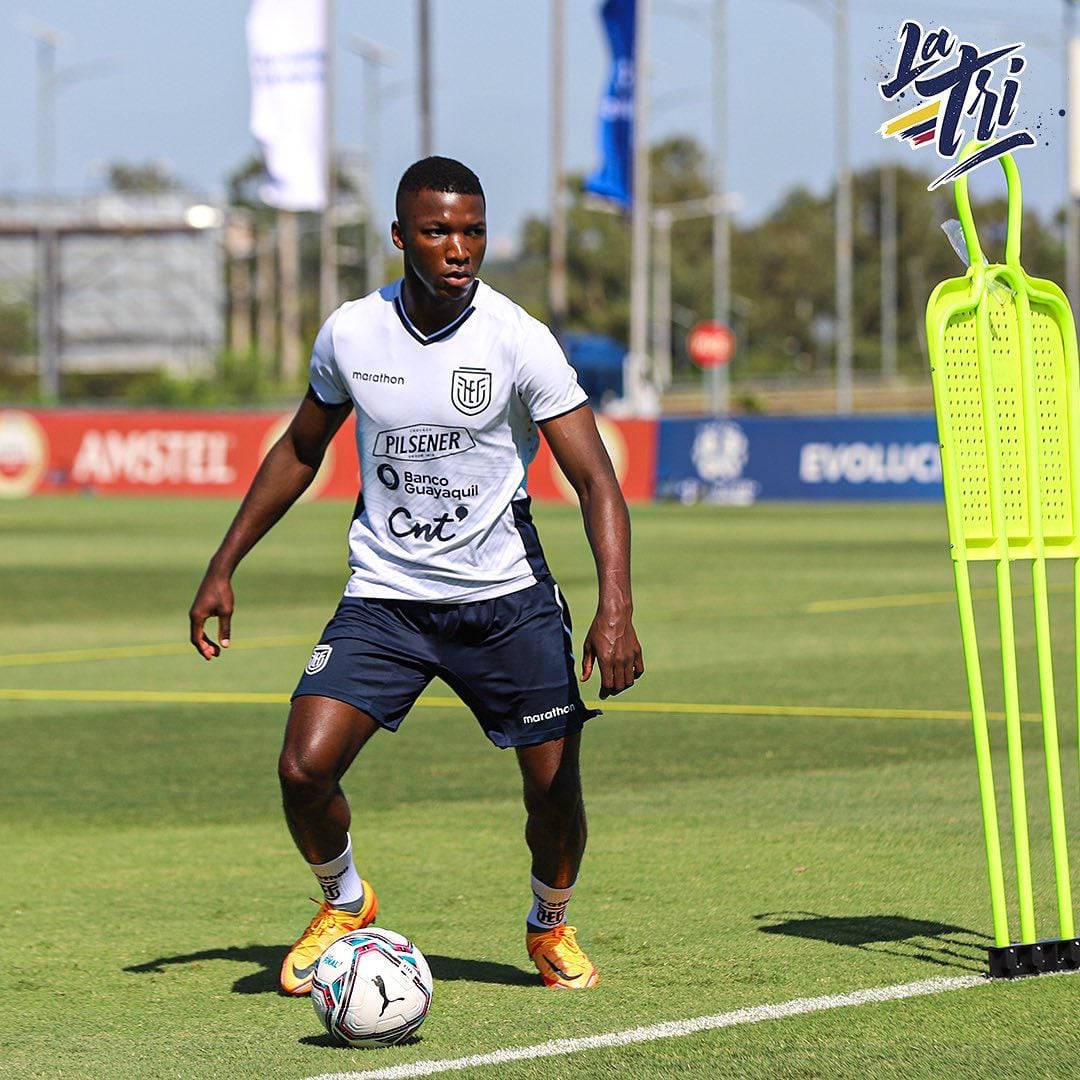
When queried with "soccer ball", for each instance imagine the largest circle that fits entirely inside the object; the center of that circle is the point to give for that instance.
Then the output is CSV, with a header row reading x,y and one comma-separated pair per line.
x,y
371,988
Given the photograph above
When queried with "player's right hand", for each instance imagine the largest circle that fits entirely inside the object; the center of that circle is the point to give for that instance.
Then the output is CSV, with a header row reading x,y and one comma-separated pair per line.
x,y
214,598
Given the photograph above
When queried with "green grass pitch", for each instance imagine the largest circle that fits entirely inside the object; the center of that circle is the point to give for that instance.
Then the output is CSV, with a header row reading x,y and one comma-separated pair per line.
x,y
811,829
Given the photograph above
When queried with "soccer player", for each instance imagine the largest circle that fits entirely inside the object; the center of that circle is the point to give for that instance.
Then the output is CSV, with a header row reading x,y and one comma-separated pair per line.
x,y
449,381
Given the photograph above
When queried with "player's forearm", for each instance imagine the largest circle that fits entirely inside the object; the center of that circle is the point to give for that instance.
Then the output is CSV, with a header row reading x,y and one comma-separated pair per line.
x,y
282,478
607,527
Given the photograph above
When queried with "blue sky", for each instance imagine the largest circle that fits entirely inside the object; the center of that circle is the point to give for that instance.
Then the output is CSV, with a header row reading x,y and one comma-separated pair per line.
x,y
178,90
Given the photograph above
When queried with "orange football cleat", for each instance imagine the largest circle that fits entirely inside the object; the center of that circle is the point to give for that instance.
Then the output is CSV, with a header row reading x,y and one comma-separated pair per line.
x,y
559,959
329,924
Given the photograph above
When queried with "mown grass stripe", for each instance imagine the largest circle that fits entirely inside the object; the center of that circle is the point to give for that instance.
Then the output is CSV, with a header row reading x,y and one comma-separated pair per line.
x,y
871,603
917,599
668,1030
130,652
686,708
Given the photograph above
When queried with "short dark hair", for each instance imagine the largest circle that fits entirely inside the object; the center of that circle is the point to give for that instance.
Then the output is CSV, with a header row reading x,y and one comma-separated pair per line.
x,y
438,174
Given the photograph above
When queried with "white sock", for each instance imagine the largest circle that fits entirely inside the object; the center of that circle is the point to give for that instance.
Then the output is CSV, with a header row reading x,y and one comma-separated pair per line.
x,y
341,884
549,905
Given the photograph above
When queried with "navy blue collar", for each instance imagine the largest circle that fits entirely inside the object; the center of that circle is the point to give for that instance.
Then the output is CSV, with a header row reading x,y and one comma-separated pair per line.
x,y
439,335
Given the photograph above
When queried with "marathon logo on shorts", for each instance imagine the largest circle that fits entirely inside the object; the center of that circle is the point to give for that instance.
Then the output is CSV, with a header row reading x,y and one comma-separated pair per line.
x,y
319,656
558,710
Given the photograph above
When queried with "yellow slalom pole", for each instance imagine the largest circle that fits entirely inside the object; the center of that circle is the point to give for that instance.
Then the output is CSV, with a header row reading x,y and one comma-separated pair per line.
x,y
992,838
1012,276
1003,578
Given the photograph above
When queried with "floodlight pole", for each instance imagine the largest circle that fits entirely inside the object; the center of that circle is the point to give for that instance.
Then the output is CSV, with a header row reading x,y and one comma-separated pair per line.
x,y
843,228
288,240
663,217
888,271
328,254
48,313
374,57
49,81
637,380
46,65
48,245
844,290
424,35
557,290
721,234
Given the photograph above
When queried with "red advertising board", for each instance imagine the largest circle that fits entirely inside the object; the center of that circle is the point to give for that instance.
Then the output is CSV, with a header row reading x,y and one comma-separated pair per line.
x,y
217,453
151,452
631,445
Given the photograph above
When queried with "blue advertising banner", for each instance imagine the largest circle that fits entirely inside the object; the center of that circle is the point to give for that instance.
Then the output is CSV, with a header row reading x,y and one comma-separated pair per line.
x,y
613,179
740,460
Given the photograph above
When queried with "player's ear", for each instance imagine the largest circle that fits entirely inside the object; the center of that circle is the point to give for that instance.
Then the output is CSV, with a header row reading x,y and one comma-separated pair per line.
x,y
395,235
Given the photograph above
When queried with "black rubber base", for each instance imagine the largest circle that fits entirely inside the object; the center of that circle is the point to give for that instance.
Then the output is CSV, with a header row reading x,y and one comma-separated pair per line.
x,y
1039,958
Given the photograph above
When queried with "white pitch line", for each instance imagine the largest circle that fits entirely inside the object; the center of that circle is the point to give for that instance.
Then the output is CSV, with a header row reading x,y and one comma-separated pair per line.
x,y
670,1029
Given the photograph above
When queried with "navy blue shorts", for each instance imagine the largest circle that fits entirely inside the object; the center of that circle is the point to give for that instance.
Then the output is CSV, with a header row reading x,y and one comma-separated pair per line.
x,y
509,659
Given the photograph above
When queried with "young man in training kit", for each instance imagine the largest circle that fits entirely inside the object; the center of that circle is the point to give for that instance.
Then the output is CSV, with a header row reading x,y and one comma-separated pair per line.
x,y
449,380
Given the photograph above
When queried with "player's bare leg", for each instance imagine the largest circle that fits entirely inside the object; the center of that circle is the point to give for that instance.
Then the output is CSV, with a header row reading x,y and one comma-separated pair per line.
x,y
556,832
555,828
322,738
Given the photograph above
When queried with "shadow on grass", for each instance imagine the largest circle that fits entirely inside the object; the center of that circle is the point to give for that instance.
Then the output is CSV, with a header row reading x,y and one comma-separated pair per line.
x,y
895,935
268,957
456,969
333,1044
264,981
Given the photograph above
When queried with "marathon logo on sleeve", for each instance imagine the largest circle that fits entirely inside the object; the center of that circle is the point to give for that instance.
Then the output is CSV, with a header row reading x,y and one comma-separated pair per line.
x,y
422,442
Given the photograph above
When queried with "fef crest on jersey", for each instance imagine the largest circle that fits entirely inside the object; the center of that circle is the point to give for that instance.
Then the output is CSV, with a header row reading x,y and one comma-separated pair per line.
x,y
470,390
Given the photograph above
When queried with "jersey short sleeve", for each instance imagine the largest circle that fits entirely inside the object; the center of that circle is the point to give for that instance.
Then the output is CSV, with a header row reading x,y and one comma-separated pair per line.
x,y
545,380
324,376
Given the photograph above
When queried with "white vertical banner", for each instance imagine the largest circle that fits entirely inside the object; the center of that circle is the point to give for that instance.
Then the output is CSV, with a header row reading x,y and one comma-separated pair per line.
x,y
287,47
1073,107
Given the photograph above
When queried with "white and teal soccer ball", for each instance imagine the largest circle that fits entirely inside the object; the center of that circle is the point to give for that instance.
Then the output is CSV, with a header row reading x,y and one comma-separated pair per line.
x,y
371,988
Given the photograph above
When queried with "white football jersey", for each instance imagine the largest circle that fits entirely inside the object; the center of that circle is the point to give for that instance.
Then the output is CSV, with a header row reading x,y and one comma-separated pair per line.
x,y
445,430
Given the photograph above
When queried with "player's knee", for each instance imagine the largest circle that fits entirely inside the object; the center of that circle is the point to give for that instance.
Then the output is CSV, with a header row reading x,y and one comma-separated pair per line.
x,y
558,798
299,773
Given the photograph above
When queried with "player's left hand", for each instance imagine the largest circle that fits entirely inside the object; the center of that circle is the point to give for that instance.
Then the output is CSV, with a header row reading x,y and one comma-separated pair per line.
x,y
214,598
612,644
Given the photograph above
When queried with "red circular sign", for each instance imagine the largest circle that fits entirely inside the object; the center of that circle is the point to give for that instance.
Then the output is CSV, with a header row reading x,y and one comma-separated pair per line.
x,y
710,344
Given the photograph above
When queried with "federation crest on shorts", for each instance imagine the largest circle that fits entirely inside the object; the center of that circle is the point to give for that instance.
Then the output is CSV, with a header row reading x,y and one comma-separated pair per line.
x,y
470,390
319,656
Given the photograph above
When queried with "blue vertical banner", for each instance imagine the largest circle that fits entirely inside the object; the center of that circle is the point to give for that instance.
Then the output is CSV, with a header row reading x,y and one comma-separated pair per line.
x,y
613,179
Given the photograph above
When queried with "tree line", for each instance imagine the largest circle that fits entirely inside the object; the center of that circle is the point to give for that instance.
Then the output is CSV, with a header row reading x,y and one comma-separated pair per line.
x,y
782,267
782,274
